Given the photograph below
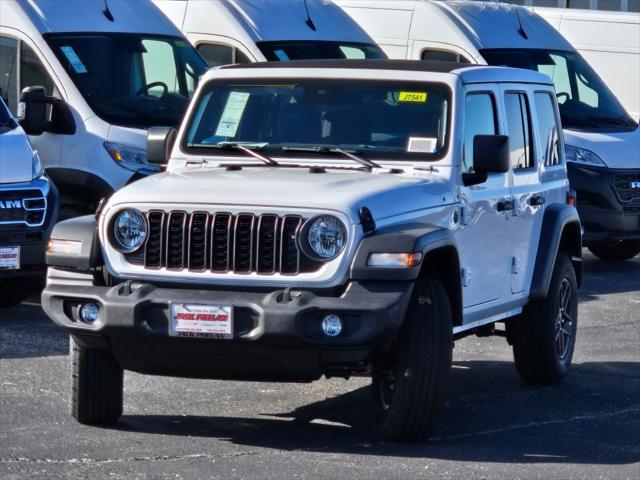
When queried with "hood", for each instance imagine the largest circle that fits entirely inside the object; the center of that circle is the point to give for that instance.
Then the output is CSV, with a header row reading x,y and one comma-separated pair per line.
x,y
134,137
347,191
616,149
16,157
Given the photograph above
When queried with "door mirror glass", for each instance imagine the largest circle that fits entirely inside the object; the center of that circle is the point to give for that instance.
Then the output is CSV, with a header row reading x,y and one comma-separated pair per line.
x,y
160,141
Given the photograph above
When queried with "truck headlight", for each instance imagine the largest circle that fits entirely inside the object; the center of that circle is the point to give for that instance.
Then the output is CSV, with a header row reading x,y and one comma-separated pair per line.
x,y
326,237
581,155
129,157
36,166
129,230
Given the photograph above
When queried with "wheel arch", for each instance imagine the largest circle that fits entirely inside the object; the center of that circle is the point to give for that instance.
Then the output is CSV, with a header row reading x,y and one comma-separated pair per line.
x,y
443,264
79,184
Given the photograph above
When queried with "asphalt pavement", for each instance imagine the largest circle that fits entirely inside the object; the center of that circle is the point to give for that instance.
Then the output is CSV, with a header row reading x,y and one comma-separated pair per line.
x,y
496,427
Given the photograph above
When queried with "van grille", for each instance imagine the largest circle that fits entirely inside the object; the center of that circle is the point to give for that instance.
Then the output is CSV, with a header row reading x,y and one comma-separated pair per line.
x,y
222,242
628,192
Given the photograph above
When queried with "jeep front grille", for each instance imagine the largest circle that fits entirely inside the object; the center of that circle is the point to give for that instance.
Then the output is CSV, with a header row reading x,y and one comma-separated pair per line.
x,y
22,207
628,192
223,242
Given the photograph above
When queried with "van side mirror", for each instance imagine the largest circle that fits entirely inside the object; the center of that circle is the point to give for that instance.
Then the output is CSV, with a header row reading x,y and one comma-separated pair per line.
x,y
39,113
160,141
490,155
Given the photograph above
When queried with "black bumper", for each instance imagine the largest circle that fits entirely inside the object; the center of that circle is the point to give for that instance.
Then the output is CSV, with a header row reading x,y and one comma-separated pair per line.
x,y
277,337
31,240
608,202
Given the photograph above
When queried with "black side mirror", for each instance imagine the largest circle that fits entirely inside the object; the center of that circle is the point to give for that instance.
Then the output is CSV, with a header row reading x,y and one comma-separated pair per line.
x,y
490,155
39,113
160,141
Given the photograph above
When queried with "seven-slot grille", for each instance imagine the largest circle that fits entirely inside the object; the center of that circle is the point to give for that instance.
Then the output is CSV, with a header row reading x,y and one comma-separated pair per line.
x,y
22,206
223,242
628,190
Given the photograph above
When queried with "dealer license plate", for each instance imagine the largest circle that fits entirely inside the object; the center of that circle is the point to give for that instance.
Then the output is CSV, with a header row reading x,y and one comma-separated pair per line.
x,y
9,258
201,321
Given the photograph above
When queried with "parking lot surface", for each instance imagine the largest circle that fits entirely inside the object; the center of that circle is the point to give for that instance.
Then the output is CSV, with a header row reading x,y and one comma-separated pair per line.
x,y
495,425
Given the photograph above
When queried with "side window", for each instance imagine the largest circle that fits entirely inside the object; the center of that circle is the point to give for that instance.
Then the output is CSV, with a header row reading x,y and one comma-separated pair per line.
x,y
479,119
549,130
32,71
216,55
559,73
9,72
519,125
442,56
157,69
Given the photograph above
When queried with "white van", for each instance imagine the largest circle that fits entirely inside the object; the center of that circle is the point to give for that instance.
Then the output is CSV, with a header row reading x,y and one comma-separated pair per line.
x,y
602,140
227,31
28,211
86,79
610,42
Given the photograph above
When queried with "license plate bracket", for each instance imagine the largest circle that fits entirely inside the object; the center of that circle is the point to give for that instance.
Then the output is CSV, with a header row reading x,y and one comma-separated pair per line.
x,y
9,258
200,320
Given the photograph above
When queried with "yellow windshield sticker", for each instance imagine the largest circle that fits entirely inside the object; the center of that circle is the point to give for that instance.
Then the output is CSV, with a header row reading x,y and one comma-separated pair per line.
x,y
420,97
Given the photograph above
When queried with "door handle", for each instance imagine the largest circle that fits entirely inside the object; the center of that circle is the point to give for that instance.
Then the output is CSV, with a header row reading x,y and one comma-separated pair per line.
x,y
536,201
505,205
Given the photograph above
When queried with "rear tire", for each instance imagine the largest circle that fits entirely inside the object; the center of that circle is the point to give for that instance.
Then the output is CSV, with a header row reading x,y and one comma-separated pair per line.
x,y
97,385
411,377
544,336
616,252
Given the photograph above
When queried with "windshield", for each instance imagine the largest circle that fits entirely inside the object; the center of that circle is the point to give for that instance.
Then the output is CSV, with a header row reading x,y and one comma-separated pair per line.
x,y
585,102
390,119
6,121
313,50
131,79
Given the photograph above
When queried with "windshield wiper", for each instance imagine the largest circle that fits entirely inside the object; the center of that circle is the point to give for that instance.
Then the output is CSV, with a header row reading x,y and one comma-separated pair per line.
x,y
604,119
248,148
368,164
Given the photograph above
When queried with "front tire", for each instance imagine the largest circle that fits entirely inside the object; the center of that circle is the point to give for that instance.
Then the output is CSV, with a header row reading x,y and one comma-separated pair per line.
x,y
544,336
616,252
411,377
97,385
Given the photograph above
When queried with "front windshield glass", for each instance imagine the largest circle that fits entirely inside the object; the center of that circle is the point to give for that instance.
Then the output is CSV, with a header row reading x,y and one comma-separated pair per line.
x,y
313,50
585,102
387,119
131,79
6,121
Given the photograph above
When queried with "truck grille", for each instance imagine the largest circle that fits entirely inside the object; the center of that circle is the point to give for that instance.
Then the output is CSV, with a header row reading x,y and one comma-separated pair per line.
x,y
627,188
22,207
222,242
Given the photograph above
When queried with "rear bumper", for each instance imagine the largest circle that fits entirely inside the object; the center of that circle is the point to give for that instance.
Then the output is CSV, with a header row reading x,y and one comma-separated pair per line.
x,y
276,338
609,207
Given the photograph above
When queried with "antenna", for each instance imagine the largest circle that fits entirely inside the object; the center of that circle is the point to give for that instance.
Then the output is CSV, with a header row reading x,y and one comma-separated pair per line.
x,y
308,21
107,13
521,31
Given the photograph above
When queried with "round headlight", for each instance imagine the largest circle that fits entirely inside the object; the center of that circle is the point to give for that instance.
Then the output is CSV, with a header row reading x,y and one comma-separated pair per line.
x,y
129,230
327,236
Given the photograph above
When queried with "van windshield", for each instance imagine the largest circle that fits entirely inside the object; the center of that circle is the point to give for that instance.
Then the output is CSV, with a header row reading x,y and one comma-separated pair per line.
x,y
314,50
131,80
387,119
585,102
6,121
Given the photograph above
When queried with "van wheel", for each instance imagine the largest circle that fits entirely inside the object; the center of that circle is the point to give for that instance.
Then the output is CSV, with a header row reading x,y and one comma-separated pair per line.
x,y
544,336
623,250
411,377
97,384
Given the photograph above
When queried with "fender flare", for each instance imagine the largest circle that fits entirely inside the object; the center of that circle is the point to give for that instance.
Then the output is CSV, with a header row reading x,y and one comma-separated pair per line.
x,y
560,230
79,183
79,229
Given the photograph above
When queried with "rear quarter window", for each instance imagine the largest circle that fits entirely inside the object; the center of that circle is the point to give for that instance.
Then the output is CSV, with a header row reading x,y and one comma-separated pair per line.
x,y
549,130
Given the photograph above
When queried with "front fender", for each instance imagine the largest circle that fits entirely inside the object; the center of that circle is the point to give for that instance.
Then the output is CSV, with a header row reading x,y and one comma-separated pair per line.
x,y
81,230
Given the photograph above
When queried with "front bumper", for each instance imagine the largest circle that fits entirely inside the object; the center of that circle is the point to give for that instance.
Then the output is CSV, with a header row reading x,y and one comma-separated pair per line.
x,y
277,334
32,240
609,207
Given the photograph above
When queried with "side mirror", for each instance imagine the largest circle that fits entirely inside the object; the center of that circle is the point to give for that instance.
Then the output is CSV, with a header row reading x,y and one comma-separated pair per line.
x,y
160,141
490,155
39,113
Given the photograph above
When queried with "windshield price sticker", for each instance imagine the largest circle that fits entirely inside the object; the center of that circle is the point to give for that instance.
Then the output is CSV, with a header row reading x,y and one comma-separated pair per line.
x,y
418,97
74,59
201,321
422,145
9,258
233,110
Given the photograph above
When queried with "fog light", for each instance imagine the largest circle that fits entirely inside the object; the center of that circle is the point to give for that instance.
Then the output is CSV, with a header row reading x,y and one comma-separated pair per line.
x,y
89,313
332,325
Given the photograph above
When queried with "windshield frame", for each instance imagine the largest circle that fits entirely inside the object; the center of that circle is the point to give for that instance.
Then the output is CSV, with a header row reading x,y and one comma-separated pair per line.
x,y
276,150
266,48
587,123
120,121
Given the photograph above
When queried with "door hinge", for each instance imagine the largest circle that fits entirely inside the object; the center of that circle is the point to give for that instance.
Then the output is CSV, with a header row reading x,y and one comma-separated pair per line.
x,y
515,265
466,277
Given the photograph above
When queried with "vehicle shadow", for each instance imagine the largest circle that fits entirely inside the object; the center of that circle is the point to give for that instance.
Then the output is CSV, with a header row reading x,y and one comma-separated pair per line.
x,y
492,416
602,277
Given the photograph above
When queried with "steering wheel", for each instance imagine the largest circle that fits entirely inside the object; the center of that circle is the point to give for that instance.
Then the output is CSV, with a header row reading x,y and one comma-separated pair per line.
x,y
149,86
562,94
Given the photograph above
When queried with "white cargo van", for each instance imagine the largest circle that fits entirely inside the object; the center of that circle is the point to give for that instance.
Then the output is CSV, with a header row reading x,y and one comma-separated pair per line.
x,y
28,211
610,42
86,79
602,140
227,31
